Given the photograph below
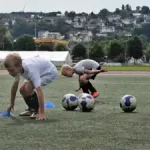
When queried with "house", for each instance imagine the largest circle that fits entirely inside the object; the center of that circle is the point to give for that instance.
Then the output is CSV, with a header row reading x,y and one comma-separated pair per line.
x,y
81,36
114,18
137,15
52,35
107,29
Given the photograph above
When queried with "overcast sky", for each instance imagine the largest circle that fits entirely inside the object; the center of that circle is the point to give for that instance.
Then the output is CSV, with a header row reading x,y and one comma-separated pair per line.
x,y
69,5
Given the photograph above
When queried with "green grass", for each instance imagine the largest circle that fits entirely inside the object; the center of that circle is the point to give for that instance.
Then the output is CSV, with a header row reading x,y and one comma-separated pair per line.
x,y
128,68
117,68
106,128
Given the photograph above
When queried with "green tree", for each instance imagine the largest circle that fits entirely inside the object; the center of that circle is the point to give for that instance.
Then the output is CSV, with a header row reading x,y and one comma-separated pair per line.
x,y
22,27
79,51
147,52
123,7
7,44
138,8
135,48
128,7
145,10
3,32
96,50
116,51
25,42
46,47
144,41
117,11
104,13
60,47
144,30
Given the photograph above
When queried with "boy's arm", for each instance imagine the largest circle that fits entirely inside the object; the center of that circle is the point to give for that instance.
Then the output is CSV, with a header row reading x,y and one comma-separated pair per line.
x,y
40,96
95,71
14,89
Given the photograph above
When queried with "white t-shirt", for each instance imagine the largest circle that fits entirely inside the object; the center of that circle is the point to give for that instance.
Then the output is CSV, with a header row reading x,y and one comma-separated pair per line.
x,y
36,68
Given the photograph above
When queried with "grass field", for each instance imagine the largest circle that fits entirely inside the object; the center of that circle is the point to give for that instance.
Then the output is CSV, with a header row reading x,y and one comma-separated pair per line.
x,y
118,68
106,128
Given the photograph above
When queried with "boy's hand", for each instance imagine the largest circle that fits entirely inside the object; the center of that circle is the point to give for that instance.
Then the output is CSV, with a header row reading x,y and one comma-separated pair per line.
x,y
105,70
40,117
10,107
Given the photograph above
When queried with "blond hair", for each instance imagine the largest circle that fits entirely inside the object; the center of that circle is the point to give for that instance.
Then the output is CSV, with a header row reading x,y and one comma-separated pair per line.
x,y
64,68
13,59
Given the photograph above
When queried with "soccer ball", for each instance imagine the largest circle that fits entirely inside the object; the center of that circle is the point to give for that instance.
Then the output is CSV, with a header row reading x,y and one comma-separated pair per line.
x,y
86,102
70,102
128,103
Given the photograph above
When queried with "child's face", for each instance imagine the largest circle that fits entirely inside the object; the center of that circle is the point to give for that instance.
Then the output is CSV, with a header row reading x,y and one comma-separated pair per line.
x,y
13,71
68,73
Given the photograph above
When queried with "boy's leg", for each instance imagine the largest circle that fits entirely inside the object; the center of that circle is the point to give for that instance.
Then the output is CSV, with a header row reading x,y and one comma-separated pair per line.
x,y
93,90
30,98
83,83
87,84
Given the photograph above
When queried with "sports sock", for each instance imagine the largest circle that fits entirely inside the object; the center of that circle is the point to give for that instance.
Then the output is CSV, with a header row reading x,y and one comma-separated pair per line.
x,y
84,88
32,101
90,87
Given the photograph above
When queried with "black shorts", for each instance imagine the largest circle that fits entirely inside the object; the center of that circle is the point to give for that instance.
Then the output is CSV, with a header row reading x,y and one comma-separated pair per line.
x,y
94,75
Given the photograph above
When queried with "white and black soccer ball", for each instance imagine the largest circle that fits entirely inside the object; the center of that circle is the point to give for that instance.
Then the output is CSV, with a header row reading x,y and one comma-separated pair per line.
x,y
86,102
128,103
70,101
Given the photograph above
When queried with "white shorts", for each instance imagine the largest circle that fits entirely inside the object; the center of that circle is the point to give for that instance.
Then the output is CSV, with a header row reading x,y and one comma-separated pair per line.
x,y
46,79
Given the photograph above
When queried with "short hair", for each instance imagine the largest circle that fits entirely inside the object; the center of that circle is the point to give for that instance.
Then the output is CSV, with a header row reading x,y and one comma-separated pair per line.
x,y
13,59
64,68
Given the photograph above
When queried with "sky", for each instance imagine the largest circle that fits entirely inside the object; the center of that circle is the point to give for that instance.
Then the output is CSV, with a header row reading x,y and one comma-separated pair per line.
x,y
78,6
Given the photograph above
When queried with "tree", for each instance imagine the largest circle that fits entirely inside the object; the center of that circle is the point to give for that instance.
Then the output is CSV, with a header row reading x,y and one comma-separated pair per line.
x,y
134,48
128,7
46,47
25,42
79,51
22,27
104,13
144,41
116,51
117,11
7,44
123,7
92,15
71,14
144,30
138,8
60,47
147,52
145,10
3,31
96,50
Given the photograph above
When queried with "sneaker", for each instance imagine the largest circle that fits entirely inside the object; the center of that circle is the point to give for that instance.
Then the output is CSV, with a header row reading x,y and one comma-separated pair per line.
x,y
33,115
95,94
27,112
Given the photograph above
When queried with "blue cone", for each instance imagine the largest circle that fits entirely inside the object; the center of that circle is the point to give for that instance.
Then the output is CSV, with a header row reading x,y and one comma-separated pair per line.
x,y
5,113
49,105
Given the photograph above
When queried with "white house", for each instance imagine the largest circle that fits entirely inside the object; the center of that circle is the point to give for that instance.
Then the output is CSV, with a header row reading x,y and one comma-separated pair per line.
x,y
52,35
107,29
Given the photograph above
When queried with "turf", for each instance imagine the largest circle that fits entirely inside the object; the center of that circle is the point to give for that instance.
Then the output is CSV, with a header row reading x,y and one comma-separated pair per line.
x,y
128,68
106,128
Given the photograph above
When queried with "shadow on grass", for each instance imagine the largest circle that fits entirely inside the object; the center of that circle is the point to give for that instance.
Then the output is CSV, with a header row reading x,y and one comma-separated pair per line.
x,y
79,111
134,112
17,121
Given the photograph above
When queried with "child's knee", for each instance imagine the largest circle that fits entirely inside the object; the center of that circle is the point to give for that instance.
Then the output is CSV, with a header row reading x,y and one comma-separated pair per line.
x,y
26,89
83,80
